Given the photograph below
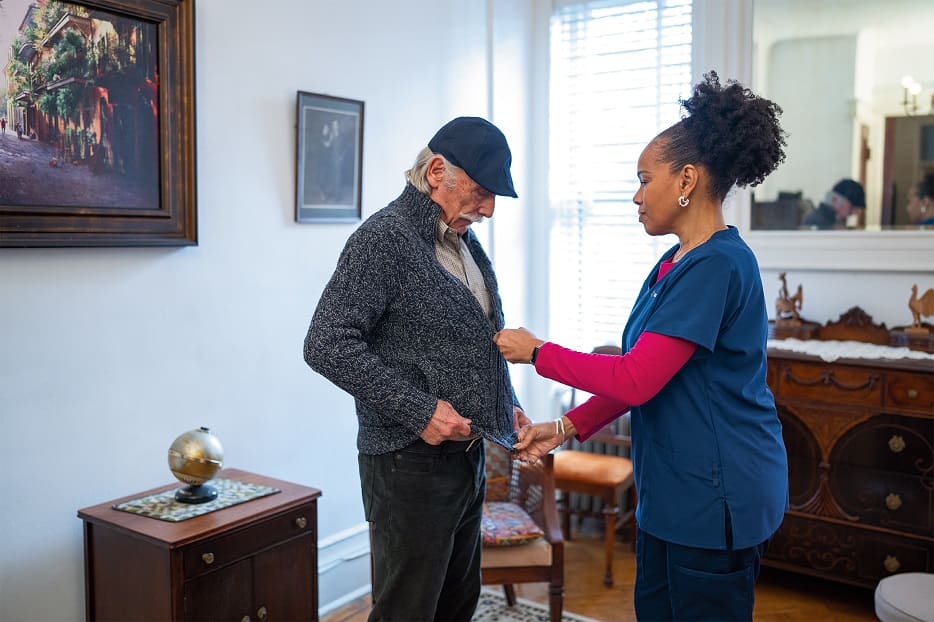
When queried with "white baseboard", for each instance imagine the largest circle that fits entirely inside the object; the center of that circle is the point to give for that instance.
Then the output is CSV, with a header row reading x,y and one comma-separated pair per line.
x,y
343,567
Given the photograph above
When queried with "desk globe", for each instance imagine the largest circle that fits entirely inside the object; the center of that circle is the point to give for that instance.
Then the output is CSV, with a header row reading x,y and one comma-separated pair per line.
x,y
194,458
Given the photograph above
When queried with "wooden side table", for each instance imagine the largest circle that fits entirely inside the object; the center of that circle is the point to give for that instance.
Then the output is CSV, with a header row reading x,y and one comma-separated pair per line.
x,y
254,561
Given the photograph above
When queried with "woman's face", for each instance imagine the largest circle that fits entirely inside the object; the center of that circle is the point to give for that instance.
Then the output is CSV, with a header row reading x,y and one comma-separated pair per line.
x,y
657,196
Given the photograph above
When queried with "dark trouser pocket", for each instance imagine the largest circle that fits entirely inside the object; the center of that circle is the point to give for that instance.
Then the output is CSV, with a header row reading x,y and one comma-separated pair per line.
x,y
701,595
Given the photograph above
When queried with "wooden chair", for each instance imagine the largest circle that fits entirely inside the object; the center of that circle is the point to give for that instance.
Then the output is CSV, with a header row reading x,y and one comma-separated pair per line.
x,y
532,487
601,475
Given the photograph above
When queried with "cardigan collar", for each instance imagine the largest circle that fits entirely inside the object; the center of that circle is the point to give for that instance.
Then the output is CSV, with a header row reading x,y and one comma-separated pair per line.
x,y
416,207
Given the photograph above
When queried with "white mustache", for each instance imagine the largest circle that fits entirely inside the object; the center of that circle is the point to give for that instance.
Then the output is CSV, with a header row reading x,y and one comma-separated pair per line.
x,y
473,218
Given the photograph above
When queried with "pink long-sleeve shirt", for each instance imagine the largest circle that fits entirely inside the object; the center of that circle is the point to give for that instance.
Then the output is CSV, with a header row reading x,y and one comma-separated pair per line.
x,y
617,382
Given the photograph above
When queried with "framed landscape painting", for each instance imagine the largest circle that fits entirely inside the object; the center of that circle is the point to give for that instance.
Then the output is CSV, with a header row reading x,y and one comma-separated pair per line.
x,y
97,127
330,158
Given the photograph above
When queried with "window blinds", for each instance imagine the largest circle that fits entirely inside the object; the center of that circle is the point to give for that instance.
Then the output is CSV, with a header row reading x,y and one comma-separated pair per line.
x,y
618,69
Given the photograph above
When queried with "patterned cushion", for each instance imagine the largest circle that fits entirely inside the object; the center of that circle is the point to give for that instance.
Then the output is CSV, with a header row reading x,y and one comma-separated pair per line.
x,y
507,524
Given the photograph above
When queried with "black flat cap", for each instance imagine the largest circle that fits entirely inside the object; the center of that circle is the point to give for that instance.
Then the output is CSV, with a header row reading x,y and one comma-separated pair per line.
x,y
478,147
852,191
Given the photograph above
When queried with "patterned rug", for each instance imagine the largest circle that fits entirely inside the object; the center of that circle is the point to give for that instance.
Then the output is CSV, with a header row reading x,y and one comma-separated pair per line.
x,y
493,608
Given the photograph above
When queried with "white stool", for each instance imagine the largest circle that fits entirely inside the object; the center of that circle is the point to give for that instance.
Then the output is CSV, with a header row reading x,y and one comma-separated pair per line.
x,y
906,597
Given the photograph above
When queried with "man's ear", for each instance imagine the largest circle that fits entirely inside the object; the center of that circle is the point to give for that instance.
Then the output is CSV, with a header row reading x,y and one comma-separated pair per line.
x,y
434,174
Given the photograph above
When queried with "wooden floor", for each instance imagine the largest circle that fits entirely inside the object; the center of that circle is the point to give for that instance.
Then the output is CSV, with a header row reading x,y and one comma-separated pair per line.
x,y
780,596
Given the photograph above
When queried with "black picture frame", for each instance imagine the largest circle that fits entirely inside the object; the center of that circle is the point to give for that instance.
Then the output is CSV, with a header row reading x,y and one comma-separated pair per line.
x,y
329,162
113,134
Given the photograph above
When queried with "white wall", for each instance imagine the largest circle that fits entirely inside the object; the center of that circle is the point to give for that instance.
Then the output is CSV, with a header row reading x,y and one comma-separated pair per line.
x,y
107,354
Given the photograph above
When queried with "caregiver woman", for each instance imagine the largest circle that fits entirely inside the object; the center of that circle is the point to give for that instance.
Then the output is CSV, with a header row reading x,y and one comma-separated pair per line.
x,y
710,465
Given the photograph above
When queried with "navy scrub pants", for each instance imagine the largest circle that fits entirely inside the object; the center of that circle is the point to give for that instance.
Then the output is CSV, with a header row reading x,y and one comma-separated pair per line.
x,y
675,582
425,503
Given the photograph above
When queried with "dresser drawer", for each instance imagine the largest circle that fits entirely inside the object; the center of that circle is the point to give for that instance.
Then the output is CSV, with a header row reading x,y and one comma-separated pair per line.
x,y
911,392
885,499
834,384
888,443
853,554
205,556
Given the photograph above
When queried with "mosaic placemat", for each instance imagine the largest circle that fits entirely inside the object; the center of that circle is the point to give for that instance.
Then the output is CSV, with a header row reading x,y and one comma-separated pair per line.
x,y
163,505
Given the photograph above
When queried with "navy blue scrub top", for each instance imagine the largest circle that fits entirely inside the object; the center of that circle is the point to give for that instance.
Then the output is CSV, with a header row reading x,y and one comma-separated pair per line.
x,y
710,443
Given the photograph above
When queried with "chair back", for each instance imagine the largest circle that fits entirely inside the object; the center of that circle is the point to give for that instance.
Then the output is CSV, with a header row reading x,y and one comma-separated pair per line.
x,y
498,472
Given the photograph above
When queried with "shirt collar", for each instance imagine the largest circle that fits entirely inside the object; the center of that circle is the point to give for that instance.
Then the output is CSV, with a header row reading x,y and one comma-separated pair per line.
x,y
444,232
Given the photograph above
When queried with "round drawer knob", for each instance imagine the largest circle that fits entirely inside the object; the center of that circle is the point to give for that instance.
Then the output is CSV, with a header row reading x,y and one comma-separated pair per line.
x,y
891,563
896,443
208,558
912,394
301,522
893,501
245,619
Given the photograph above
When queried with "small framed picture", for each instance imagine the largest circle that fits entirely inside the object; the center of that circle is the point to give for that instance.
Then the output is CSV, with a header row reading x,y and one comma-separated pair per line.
x,y
330,158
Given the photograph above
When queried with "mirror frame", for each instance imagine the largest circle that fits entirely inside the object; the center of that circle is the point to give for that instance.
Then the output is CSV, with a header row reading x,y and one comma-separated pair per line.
x,y
727,45
884,251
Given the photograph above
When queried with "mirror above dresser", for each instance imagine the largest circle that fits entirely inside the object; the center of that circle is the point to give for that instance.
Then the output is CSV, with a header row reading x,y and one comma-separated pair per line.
x,y
836,68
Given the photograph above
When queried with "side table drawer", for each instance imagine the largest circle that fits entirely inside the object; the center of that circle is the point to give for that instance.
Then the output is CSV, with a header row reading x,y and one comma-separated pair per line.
x,y
213,553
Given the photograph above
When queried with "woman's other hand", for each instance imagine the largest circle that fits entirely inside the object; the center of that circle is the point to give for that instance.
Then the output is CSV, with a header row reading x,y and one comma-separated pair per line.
x,y
516,344
537,440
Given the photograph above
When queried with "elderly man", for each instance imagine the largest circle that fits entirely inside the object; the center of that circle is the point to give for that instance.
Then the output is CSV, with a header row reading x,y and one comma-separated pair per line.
x,y
406,326
846,208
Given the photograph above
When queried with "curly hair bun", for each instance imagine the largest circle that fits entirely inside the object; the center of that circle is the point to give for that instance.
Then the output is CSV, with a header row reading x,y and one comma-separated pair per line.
x,y
736,133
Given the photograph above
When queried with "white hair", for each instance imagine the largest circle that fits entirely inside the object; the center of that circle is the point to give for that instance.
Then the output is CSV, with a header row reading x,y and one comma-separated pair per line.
x,y
418,174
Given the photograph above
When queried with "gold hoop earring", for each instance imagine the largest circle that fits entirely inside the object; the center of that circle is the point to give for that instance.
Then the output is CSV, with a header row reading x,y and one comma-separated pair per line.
x,y
683,201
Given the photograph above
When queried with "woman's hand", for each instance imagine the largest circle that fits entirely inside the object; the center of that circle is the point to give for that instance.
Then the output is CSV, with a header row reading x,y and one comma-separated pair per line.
x,y
537,440
516,344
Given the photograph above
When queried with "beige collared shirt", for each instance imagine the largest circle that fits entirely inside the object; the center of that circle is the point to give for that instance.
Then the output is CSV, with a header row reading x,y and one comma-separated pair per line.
x,y
453,254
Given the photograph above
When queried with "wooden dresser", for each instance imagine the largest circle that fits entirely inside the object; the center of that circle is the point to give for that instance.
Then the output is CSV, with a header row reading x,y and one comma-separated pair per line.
x,y
252,561
859,435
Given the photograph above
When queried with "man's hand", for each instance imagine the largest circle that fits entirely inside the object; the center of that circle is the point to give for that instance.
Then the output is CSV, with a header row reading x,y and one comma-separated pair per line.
x,y
519,419
537,440
516,344
445,425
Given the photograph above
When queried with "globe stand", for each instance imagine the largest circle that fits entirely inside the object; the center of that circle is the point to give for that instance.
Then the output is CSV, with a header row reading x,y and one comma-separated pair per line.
x,y
202,493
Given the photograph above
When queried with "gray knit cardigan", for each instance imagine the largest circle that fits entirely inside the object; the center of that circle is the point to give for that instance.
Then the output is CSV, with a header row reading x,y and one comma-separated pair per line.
x,y
399,332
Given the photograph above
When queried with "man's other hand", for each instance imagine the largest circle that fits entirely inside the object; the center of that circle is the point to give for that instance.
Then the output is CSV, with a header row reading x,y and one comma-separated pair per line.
x,y
446,425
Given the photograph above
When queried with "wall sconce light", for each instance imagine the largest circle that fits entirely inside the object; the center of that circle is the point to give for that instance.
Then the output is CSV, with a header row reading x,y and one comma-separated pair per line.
x,y
912,88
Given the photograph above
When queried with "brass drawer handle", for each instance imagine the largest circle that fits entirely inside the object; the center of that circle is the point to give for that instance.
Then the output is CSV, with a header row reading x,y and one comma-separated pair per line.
x,y
301,522
208,558
261,613
897,443
245,619
893,501
913,394
891,563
